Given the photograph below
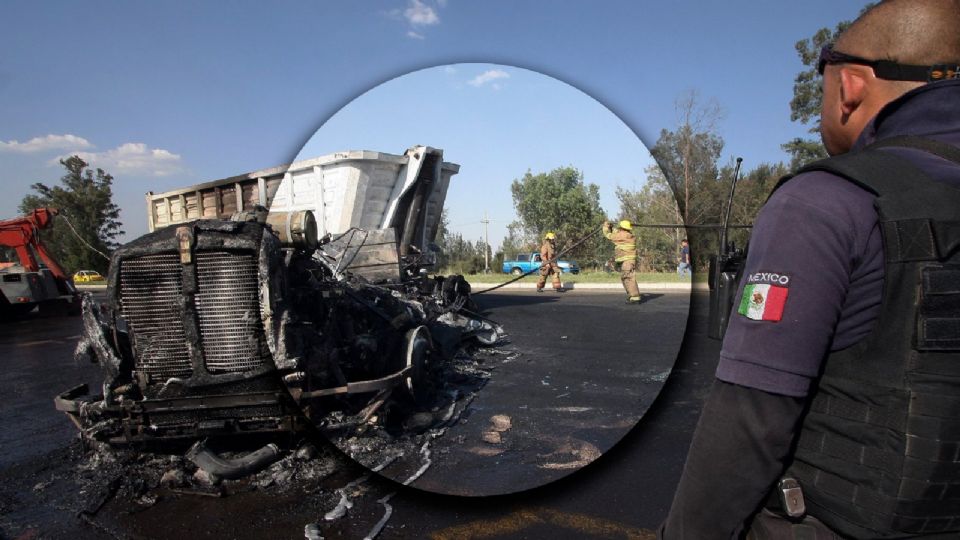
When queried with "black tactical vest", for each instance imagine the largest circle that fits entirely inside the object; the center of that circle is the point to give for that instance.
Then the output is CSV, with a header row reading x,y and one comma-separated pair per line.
x,y
879,451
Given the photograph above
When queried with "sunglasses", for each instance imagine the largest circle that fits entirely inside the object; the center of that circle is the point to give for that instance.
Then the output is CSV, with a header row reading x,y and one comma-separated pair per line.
x,y
888,69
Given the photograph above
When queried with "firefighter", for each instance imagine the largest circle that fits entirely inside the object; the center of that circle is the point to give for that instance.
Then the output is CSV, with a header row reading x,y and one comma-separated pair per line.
x,y
625,251
548,263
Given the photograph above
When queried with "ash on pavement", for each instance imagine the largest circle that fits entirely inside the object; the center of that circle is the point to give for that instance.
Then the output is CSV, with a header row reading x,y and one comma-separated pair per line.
x,y
579,371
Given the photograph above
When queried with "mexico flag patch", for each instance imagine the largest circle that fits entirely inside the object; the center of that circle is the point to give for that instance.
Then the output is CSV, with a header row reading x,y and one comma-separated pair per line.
x,y
764,296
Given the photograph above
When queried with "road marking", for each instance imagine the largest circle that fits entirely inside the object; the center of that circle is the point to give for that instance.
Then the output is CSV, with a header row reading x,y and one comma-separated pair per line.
x,y
525,518
41,342
569,409
67,339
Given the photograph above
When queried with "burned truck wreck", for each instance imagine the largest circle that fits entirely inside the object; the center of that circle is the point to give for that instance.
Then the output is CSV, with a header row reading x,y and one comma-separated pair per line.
x,y
255,328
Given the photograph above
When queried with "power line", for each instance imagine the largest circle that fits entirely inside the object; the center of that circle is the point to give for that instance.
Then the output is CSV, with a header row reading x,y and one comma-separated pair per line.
x,y
67,221
486,243
563,251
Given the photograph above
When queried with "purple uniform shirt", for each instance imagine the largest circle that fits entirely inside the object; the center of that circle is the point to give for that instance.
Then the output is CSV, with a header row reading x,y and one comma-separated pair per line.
x,y
820,231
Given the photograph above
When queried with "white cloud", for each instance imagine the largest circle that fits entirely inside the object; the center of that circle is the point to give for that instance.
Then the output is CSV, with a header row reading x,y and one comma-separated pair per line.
x,y
414,35
48,142
449,70
488,76
132,158
420,14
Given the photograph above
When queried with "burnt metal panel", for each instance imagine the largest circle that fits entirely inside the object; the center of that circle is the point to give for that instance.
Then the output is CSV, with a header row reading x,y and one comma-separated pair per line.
x,y
150,292
228,310
371,254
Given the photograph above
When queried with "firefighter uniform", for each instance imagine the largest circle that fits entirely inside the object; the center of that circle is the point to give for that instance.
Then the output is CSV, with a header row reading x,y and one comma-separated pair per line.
x,y
625,252
548,263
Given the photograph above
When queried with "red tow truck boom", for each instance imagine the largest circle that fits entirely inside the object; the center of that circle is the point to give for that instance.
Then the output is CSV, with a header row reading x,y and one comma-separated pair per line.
x,y
36,278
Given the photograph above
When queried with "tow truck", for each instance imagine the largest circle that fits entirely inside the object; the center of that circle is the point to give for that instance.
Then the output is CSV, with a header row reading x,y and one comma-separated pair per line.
x,y
29,275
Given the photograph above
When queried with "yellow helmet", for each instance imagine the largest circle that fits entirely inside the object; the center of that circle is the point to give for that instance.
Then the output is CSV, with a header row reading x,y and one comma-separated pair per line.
x,y
550,236
625,224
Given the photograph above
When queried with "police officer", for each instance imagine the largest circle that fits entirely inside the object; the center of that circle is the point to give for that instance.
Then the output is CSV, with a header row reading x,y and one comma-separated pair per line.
x,y
625,252
548,263
837,395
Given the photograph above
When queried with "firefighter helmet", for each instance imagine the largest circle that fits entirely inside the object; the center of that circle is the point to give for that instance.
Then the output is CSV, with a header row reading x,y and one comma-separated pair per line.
x,y
625,224
550,236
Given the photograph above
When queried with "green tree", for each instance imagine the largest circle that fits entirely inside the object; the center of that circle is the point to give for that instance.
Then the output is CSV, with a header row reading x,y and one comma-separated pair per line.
x,y
689,187
89,221
483,254
687,173
457,255
516,241
653,204
559,201
753,189
463,257
688,156
442,239
808,95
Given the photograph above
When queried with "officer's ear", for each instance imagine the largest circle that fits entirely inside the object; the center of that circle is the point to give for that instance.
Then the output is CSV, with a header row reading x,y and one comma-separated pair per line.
x,y
853,87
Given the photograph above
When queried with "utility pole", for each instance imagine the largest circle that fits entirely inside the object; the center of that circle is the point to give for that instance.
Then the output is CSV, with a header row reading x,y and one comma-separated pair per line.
x,y
486,243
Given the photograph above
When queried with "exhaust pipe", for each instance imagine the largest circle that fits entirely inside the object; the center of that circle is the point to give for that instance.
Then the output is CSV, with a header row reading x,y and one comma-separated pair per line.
x,y
232,469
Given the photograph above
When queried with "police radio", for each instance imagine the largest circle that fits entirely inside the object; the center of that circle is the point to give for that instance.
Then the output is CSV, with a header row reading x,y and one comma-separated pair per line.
x,y
724,272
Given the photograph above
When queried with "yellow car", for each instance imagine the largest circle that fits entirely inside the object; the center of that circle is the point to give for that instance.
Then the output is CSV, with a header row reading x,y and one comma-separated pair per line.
x,y
87,276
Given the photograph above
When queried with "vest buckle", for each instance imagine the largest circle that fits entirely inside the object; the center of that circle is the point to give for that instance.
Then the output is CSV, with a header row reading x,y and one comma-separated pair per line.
x,y
791,498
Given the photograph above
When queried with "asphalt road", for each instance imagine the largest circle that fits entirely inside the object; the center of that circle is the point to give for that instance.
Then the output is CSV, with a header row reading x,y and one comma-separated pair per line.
x,y
38,363
584,388
578,372
625,493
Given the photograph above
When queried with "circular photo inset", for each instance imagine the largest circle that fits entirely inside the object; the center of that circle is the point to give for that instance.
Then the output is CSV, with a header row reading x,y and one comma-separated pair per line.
x,y
467,305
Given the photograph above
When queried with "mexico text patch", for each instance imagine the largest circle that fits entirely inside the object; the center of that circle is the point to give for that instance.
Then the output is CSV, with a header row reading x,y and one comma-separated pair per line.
x,y
764,296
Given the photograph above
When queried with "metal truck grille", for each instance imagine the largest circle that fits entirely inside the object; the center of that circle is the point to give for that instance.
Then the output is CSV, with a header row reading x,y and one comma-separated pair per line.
x,y
228,309
150,289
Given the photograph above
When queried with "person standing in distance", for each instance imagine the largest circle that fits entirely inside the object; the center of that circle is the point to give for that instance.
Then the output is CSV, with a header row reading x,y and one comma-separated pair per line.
x,y
837,393
683,266
548,263
625,253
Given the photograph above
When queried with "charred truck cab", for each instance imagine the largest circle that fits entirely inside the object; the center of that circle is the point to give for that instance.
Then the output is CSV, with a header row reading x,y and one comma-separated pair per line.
x,y
253,326
216,328
183,338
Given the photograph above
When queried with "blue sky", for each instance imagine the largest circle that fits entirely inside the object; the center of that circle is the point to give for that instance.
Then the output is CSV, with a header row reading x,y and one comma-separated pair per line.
x,y
164,95
496,122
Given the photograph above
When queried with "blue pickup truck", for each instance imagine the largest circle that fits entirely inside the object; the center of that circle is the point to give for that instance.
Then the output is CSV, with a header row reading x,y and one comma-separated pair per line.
x,y
526,262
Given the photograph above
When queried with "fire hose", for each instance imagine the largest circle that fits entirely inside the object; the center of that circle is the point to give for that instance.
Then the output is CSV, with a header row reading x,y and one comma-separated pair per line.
x,y
562,252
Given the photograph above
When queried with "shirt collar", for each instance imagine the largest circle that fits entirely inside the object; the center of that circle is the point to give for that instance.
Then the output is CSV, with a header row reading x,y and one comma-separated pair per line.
x,y
927,109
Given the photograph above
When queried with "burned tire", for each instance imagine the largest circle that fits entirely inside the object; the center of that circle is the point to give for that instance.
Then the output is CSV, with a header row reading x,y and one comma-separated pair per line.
x,y
420,381
487,335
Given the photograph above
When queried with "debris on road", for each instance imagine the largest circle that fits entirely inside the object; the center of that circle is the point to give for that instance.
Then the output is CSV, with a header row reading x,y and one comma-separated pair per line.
x,y
499,424
231,340
579,453
363,362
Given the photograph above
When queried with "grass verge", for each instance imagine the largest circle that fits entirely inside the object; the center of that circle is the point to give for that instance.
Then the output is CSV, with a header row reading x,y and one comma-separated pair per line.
x,y
591,277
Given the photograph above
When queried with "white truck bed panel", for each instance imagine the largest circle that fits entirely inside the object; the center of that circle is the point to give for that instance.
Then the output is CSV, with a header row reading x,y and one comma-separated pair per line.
x,y
357,188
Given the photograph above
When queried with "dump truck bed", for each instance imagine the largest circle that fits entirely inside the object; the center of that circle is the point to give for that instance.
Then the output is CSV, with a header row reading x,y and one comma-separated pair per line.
x,y
356,188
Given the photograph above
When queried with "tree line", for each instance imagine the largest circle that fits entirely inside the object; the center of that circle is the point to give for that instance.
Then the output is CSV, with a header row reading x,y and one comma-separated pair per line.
x,y
689,186
685,194
88,224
